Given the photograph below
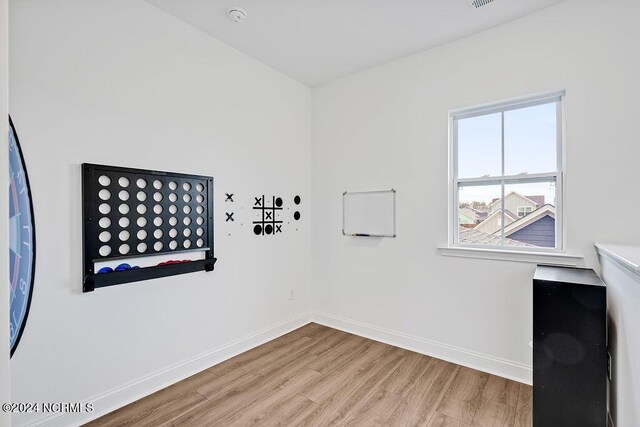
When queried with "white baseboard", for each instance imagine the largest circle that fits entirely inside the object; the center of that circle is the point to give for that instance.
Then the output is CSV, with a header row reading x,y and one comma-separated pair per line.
x,y
121,396
151,383
483,362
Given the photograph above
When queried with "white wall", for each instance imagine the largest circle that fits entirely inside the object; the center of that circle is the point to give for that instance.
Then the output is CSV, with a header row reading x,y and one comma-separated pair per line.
x,y
122,83
387,127
623,295
5,383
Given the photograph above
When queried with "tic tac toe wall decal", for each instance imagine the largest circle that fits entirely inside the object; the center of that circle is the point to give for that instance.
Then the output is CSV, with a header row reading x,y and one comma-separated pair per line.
x,y
297,214
269,220
228,197
270,216
22,240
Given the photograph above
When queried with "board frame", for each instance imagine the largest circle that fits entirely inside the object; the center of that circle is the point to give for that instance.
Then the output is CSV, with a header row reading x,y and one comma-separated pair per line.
x,y
346,193
90,202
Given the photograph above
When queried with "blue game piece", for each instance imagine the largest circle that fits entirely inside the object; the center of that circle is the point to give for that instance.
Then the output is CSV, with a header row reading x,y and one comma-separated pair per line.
x,y
104,270
135,267
123,267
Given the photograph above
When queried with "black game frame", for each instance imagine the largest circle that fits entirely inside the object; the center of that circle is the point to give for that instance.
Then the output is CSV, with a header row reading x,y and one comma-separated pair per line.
x,y
169,197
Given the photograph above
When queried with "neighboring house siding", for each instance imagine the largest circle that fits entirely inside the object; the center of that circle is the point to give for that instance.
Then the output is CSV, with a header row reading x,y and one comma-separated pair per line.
x,y
492,223
511,203
540,233
467,216
466,220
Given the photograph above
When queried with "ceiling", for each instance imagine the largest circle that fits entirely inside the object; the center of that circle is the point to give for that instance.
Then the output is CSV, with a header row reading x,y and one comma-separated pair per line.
x,y
316,41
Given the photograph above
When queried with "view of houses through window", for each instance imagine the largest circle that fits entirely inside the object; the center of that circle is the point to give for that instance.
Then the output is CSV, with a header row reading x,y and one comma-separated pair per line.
x,y
508,175
524,210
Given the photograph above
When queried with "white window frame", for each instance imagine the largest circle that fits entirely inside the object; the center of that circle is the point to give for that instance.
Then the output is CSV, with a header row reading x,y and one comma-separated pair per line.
x,y
555,176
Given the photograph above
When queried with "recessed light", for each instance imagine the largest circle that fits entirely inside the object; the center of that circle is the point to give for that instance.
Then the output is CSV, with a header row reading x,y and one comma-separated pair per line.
x,y
237,14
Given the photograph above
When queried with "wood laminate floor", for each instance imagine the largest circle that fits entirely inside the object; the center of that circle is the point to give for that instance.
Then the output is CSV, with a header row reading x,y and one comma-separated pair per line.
x,y
318,376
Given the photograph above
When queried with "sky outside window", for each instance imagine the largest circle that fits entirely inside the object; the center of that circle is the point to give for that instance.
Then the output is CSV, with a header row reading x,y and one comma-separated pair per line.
x,y
480,146
530,147
530,140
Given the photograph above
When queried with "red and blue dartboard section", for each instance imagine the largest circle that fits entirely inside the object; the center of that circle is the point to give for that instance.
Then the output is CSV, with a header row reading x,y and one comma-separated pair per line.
x,y
21,240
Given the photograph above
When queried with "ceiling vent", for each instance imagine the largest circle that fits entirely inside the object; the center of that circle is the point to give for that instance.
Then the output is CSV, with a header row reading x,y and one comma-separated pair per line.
x,y
478,3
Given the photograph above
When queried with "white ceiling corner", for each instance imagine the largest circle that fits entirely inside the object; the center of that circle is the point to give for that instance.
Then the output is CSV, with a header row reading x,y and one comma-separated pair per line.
x,y
316,41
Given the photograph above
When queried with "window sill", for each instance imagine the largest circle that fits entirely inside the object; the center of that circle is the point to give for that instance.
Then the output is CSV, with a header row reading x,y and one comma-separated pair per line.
x,y
552,258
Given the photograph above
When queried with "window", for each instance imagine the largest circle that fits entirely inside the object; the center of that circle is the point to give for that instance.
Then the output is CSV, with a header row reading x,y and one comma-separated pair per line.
x,y
524,210
507,172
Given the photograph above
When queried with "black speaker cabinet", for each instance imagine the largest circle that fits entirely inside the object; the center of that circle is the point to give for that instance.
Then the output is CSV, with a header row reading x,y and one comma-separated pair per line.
x,y
569,348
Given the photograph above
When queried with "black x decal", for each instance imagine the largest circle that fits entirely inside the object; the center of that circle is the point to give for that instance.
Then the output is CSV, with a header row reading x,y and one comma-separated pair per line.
x,y
229,216
258,201
278,228
268,215
229,197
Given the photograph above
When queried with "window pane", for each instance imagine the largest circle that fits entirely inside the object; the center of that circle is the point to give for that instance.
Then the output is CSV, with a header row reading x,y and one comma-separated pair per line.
x,y
479,216
479,146
530,140
530,214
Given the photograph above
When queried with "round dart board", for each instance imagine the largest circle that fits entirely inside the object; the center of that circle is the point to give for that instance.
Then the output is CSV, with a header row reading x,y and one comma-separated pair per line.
x,y
22,240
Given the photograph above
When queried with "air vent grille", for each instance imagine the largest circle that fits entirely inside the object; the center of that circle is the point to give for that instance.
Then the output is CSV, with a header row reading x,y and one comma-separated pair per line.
x,y
478,3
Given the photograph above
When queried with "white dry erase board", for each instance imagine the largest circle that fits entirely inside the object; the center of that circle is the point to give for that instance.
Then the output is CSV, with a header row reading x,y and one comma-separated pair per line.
x,y
369,213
